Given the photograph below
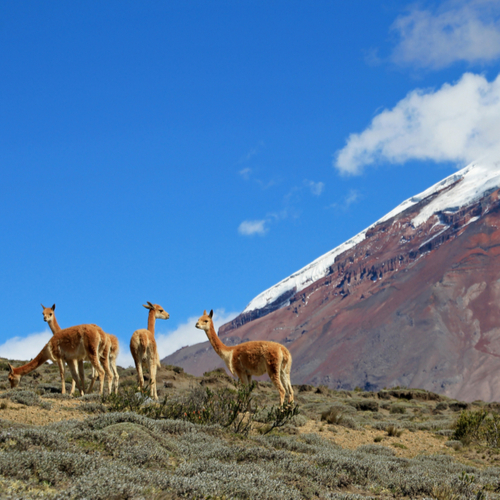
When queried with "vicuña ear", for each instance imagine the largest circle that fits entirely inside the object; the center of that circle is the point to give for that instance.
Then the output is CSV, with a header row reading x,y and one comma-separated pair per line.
x,y
211,313
11,368
42,306
204,312
54,307
147,307
151,305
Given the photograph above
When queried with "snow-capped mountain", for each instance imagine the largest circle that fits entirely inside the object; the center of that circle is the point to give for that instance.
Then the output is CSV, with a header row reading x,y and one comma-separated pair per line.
x,y
467,186
411,300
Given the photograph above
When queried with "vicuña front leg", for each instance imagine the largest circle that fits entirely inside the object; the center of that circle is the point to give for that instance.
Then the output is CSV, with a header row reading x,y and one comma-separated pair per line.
x,y
62,371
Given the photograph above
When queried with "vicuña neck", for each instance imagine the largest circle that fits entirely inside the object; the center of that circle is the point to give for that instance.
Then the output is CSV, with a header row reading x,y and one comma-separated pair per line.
x,y
54,325
34,363
151,321
219,347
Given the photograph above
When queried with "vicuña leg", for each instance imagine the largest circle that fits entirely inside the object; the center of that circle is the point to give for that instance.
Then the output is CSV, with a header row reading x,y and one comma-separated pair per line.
x,y
274,375
62,372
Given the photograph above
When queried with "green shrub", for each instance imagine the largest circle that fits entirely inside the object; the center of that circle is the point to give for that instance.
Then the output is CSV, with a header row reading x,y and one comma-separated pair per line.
x,y
468,425
364,405
395,409
230,408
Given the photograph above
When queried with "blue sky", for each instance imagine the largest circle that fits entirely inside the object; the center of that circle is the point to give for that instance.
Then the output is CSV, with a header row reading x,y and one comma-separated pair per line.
x,y
195,153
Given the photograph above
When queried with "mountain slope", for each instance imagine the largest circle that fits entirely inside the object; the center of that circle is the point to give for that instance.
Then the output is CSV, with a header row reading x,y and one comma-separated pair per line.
x,y
412,300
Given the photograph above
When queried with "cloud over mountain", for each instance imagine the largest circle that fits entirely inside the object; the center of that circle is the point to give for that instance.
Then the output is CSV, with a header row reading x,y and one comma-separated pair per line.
x,y
457,123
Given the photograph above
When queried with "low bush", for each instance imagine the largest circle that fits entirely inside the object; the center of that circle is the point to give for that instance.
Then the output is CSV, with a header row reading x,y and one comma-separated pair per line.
x,y
470,426
394,431
334,415
28,398
233,409
397,409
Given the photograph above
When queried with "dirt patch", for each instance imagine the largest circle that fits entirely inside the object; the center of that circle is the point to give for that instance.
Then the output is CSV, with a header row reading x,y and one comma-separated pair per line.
x,y
35,415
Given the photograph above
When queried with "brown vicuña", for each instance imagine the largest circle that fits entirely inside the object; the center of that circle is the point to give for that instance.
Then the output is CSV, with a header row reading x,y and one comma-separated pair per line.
x,y
71,345
253,358
111,349
143,347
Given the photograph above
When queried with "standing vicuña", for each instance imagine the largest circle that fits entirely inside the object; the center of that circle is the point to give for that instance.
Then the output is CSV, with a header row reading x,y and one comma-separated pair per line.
x,y
72,345
143,347
253,358
111,349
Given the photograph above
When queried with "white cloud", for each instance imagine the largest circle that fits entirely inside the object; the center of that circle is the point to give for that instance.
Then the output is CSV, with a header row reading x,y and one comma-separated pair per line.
x,y
352,197
315,187
457,123
245,173
125,359
251,227
459,31
24,348
187,334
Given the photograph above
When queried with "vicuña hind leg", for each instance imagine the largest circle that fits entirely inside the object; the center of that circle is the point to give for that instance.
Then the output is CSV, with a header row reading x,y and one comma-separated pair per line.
x,y
72,364
152,374
274,375
285,381
94,359
81,373
107,369
115,376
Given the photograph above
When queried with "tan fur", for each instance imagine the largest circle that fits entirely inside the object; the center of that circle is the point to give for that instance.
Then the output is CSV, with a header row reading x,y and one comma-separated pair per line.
x,y
112,348
71,345
253,358
143,347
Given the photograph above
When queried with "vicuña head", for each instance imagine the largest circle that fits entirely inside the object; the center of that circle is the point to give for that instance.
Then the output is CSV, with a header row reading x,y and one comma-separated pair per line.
x,y
252,358
159,312
48,313
14,378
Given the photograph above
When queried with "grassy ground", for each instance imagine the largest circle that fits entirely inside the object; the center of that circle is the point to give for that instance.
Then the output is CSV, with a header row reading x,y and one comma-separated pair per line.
x,y
392,444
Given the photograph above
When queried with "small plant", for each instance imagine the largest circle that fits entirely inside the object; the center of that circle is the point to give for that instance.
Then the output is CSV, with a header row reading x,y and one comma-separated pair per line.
x,y
334,415
394,431
444,492
397,409
400,445
378,439
278,416
46,405
455,445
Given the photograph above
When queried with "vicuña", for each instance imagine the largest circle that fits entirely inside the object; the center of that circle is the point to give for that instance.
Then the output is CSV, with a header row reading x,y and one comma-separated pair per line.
x,y
112,348
71,345
143,347
253,358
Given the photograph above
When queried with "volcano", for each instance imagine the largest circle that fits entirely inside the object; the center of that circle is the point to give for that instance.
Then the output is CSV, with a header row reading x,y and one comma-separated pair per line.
x,y
413,300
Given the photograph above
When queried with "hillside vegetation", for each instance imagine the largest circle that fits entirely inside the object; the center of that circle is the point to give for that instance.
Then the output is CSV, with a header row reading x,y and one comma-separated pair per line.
x,y
208,438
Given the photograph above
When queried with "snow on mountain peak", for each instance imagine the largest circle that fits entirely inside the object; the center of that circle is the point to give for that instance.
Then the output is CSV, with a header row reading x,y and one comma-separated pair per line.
x,y
475,181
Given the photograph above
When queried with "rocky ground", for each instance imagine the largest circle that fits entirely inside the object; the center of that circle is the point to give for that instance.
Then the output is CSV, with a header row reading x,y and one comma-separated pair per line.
x,y
342,444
